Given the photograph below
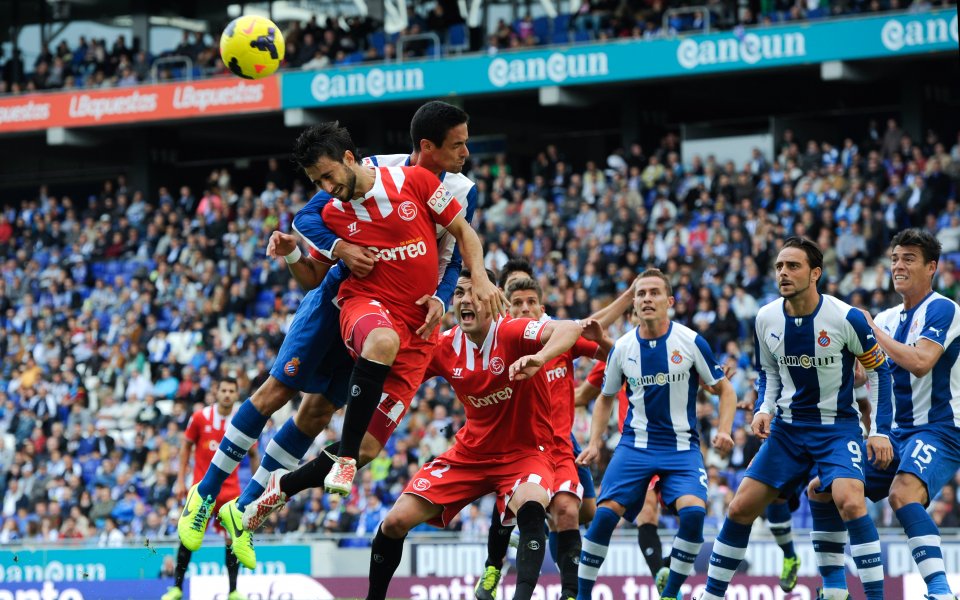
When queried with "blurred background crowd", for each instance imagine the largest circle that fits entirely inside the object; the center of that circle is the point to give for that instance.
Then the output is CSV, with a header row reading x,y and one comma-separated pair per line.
x,y
119,310
88,62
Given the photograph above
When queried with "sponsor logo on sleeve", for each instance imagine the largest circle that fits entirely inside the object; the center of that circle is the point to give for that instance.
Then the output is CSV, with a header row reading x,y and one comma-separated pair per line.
x,y
440,199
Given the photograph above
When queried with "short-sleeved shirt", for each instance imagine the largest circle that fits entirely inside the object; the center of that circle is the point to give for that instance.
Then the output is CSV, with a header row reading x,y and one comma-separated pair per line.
x,y
502,416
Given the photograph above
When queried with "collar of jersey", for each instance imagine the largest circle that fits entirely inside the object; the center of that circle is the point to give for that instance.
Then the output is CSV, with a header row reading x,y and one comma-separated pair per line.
x,y
918,305
813,314
487,341
656,339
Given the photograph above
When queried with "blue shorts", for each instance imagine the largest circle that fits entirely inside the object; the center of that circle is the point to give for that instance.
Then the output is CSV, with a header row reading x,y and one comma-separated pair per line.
x,y
797,452
313,358
929,453
628,476
586,477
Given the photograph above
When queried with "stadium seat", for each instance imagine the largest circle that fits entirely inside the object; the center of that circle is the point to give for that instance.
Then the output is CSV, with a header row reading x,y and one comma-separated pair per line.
x,y
378,41
541,29
457,39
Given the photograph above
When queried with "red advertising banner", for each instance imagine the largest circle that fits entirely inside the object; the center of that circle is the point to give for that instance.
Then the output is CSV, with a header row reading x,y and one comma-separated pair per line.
x,y
189,99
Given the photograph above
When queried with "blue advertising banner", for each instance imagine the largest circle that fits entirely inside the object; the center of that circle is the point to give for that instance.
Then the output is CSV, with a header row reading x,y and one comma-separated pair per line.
x,y
811,42
107,564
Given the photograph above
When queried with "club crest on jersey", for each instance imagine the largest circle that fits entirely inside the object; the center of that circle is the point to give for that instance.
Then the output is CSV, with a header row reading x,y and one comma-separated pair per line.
x,y
420,484
676,358
407,211
496,365
292,367
440,199
823,340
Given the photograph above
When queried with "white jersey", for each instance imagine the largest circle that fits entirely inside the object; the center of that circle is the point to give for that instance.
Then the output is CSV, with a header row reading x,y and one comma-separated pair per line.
x,y
806,365
660,387
934,399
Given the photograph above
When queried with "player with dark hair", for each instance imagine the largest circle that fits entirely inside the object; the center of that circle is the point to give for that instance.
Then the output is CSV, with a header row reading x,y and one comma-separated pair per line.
x,y
494,366
921,338
806,344
204,432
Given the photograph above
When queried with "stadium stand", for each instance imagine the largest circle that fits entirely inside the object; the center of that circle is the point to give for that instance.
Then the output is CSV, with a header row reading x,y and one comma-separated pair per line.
x,y
118,311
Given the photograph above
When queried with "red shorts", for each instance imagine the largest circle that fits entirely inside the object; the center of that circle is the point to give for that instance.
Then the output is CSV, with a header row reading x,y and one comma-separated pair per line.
x,y
454,480
359,316
566,478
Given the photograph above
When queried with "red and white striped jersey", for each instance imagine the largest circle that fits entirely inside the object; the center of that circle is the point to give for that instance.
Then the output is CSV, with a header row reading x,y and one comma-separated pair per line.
x,y
502,415
205,429
397,219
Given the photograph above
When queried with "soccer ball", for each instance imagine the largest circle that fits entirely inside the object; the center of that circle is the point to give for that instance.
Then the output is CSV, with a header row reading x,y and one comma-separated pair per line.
x,y
252,47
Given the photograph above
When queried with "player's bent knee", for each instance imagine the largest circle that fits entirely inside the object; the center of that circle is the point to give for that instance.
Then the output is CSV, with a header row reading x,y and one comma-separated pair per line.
x,y
381,345
396,525
314,414
271,396
907,489
565,511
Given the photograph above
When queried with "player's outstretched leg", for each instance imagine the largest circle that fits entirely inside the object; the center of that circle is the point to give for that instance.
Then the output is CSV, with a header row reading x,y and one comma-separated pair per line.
x,y
595,545
175,592
283,452
686,547
247,424
366,386
779,521
498,540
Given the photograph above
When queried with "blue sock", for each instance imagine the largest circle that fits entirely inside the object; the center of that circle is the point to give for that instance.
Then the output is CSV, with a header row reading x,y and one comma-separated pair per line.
x,y
595,545
829,538
780,522
553,541
686,547
865,548
923,537
242,432
728,553
284,451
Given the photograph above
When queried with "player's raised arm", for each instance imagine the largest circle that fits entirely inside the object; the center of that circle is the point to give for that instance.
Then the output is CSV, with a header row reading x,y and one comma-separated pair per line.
x,y
920,358
557,337
324,245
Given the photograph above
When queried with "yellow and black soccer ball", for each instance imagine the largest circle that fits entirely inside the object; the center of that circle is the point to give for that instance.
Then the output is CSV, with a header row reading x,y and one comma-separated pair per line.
x,y
252,47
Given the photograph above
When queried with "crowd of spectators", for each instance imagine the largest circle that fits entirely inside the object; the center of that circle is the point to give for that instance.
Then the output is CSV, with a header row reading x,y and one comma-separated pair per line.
x,y
316,44
119,310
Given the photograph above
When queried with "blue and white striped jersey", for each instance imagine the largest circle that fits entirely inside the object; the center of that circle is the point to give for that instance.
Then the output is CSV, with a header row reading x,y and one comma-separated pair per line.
x,y
933,399
661,388
806,365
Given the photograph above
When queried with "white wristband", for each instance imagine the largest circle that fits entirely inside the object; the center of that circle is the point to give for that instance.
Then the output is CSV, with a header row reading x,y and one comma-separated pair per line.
x,y
293,256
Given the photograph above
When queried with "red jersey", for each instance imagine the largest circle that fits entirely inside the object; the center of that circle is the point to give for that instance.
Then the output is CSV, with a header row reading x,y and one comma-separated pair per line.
x,y
595,378
398,220
502,416
562,391
205,429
